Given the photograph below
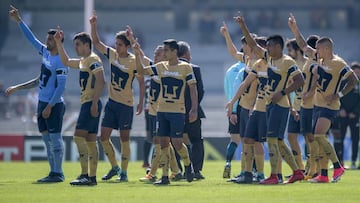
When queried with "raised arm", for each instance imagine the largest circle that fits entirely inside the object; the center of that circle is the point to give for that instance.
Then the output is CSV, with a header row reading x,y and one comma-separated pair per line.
x,y
23,86
99,45
309,51
229,43
72,63
258,50
14,14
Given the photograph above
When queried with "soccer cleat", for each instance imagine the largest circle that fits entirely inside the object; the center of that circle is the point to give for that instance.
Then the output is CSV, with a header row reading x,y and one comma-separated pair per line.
x,y
280,178
112,172
259,177
198,176
308,177
149,178
189,173
247,178
52,178
338,172
319,179
176,176
227,171
82,179
92,181
236,178
297,176
122,177
163,181
272,180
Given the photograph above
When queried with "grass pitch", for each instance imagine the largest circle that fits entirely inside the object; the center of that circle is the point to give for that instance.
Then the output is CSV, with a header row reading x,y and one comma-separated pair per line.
x,y
16,185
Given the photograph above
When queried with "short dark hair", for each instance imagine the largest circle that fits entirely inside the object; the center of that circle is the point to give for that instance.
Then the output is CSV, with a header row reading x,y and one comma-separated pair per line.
x,y
261,41
293,44
52,32
311,40
122,36
355,65
325,40
184,47
84,38
172,43
277,39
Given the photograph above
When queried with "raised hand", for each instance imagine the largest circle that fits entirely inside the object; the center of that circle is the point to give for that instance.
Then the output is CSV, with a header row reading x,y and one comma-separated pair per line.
x,y
93,18
14,14
10,90
136,47
129,34
239,19
292,22
223,28
59,35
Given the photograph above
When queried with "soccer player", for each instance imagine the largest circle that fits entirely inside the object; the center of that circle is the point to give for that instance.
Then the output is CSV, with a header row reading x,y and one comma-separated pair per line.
x,y
306,109
294,119
92,83
154,93
255,132
248,96
51,107
193,130
118,112
173,75
349,116
282,68
335,79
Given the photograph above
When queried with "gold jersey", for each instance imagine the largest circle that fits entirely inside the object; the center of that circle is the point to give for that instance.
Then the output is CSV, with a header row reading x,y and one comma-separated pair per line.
x,y
308,74
247,100
332,77
173,80
299,91
88,66
123,71
260,70
154,93
279,74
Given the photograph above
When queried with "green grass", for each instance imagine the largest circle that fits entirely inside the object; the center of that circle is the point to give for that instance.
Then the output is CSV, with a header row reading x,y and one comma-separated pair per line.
x,y
16,185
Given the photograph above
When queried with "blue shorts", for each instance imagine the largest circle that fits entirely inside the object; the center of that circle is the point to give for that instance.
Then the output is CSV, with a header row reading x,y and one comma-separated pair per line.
x,y
234,129
244,117
170,124
276,117
293,125
152,125
306,120
53,124
321,112
117,116
86,121
256,126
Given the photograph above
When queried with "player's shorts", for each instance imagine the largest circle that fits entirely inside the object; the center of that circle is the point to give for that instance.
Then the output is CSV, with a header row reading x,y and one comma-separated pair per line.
x,y
118,116
321,112
152,125
293,125
170,124
235,129
306,120
86,121
256,126
53,124
244,117
276,117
